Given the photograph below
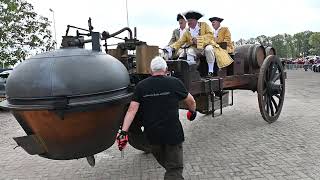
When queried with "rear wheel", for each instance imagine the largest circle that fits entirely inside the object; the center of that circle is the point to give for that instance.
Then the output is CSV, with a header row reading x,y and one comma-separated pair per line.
x,y
271,88
137,138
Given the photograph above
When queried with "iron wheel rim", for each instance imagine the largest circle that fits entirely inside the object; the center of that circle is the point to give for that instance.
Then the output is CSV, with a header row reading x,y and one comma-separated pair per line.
x,y
271,88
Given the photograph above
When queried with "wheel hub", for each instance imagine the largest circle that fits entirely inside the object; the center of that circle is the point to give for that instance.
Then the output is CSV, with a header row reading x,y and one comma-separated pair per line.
x,y
274,88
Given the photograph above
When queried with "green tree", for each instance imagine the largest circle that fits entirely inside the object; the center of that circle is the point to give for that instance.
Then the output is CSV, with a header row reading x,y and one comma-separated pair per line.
x,y
314,41
22,32
301,41
241,42
289,45
263,40
252,41
278,42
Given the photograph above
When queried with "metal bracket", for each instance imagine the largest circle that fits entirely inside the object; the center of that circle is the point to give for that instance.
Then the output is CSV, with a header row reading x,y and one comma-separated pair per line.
x,y
31,144
212,95
220,95
231,98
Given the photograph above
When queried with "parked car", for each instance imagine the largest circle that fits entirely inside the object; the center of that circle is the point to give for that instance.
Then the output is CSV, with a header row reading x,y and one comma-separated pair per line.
x,y
316,67
3,77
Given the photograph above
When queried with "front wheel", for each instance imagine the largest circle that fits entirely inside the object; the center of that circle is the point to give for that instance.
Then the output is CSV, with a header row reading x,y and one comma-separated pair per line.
x,y
271,88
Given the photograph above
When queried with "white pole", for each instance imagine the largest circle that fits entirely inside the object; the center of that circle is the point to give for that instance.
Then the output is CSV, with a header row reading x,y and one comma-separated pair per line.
x,y
127,13
54,27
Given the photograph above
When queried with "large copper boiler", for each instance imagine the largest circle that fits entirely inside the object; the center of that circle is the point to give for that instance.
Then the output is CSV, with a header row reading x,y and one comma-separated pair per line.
x,y
70,102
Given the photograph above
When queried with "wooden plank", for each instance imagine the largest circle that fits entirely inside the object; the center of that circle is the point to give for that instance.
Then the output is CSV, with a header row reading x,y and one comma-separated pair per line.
x,y
243,81
205,86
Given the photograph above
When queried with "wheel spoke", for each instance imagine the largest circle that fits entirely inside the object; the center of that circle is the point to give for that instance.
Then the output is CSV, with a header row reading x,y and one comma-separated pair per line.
x,y
276,89
273,71
276,77
278,96
275,104
271,107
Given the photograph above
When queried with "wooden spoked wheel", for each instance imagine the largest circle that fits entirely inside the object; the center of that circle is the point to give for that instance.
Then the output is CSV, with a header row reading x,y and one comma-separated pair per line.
x,y
271,88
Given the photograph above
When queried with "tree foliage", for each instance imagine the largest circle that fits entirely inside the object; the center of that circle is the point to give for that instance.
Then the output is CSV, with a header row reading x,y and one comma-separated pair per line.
x,y
263,40
300,44
241,42
289,50
278,42
314,41
22,32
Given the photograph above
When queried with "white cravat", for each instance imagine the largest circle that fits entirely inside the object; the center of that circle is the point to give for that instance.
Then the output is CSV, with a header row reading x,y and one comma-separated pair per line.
x,y
182,31
215,32
195,31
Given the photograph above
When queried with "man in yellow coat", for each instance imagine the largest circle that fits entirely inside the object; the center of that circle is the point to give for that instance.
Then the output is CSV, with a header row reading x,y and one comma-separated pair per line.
x,y
198,38
177,34
221,34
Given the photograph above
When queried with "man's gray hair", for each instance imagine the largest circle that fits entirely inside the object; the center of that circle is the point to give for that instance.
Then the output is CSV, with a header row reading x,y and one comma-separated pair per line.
x,y
158,64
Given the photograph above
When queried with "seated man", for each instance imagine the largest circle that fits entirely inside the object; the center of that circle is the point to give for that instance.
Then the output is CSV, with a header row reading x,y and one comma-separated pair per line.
x,y
177,34
197,38
221,34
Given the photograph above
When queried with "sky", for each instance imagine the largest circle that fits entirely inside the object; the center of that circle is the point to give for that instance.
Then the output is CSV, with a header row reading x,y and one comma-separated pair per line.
x,y
155,20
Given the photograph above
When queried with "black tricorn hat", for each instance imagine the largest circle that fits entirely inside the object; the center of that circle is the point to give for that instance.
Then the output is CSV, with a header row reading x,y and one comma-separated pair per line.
x,y
180,16
215,19
193,15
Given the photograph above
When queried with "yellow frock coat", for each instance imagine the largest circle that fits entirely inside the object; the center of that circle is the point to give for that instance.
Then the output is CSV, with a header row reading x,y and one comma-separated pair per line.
x,y
204,38
224,35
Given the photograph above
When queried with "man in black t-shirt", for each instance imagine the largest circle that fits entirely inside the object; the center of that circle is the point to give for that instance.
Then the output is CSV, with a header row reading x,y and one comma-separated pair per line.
x,y
157,97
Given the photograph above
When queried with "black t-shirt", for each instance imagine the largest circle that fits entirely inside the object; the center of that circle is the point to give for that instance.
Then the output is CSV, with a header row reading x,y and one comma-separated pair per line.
x,y
159,98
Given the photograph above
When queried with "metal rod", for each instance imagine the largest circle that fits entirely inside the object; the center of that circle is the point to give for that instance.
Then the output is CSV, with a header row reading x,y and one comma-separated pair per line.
x,y
67,31
78,28
122,30
119,38
212,95
232,97
220,95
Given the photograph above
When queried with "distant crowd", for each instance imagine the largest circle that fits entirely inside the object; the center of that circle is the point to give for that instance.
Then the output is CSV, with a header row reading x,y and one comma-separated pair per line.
x,y
305,62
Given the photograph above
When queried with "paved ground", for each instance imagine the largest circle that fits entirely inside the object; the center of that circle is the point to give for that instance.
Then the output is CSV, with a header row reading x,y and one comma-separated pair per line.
x,y
237,145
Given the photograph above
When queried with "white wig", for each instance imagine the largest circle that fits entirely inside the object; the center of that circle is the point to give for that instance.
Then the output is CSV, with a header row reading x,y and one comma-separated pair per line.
x,y
158,64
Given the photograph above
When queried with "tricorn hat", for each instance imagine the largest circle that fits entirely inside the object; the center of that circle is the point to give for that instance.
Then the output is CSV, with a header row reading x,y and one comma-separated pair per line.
x,y
215,19
180,16
193,15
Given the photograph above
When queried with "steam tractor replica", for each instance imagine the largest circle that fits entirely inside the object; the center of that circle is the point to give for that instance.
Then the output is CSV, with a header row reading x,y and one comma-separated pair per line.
x,y
70,102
